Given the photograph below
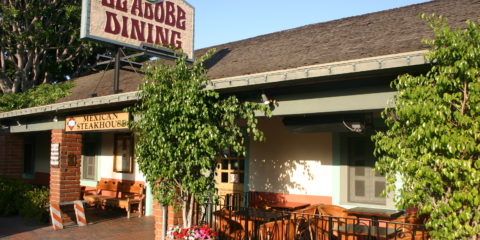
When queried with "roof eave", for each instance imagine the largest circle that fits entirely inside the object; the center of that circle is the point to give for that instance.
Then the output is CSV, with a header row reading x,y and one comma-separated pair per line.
x,y
385,62
282,76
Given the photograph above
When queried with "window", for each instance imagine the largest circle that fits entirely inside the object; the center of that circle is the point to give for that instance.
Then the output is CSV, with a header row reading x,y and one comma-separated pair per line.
x,y
91,147
29,157
123,152
364,186
230,173
89,162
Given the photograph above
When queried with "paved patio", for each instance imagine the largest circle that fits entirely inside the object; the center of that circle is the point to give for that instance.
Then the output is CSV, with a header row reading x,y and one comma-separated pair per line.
x,y
115,228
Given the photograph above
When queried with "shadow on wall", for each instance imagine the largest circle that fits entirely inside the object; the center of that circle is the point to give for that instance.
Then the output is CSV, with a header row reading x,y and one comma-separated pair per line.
x,y
283,172
295,164
281,178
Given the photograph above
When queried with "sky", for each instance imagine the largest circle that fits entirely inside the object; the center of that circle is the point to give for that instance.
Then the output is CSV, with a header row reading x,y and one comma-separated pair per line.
x,y
223,21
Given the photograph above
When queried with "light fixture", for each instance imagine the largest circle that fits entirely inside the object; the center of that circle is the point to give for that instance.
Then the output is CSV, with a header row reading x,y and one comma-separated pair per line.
x,y
357,127
55,119
18,123
265,99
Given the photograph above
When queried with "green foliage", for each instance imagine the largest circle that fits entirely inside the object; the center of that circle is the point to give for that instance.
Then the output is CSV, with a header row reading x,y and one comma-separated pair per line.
x,y
35,204
181,128
40,43
40,95
433,142
18,197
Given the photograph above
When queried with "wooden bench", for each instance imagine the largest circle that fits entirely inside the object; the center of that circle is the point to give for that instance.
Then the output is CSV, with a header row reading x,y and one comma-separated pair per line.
x,y
117,194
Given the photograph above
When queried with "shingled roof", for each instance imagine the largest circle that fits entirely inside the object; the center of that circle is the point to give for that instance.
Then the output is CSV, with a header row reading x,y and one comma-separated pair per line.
x,y
381,33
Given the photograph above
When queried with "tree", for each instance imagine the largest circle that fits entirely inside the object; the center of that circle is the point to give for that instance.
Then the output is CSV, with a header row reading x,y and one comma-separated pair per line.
x,y
39,95
40,43
433,142
182,127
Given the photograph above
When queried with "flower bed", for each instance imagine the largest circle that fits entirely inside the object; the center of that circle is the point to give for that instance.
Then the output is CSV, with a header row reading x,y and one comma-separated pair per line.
x,y
193,233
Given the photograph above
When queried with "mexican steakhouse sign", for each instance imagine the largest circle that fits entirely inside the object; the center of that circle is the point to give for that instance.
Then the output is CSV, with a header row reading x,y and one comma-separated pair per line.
x,y
130,23
117,120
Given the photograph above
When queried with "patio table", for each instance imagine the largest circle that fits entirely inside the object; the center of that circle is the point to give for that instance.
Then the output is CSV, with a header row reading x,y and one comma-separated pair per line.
x,y
288,206
365,230
259,216
374,213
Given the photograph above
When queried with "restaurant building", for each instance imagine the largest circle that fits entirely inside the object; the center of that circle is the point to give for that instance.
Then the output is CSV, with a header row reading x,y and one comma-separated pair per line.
x,y
331,80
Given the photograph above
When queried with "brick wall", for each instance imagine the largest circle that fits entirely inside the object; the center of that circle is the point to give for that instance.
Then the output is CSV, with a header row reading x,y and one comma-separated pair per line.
x,y
65,179
173,219
11,155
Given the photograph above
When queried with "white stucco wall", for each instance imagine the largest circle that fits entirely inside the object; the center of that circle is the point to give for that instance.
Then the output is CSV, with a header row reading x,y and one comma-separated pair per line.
x,y
105,161
290,163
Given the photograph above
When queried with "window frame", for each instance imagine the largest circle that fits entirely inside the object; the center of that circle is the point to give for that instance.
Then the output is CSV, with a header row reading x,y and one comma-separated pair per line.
x,y
96,140
127,168
345,176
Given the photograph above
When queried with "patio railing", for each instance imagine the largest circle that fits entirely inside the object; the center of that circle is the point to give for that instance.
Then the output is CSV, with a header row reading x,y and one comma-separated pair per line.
x,y
234,222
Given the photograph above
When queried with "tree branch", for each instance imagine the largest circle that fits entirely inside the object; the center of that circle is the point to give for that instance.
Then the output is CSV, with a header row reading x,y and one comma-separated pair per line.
x,y
465,97
5,83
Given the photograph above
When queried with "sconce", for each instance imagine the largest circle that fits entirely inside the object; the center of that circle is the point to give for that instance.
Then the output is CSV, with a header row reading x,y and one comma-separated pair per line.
x,y
357,127
265,99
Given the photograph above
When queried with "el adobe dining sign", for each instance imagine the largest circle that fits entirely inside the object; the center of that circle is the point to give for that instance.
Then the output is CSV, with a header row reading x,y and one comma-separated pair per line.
x,y
130,23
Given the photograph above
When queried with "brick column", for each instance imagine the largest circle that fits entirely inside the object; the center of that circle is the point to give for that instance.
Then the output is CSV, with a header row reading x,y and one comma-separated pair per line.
x,y
11,155
65,179
173,219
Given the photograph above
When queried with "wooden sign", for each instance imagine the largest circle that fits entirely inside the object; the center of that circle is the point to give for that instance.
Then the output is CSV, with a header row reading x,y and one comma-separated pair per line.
x,y
97,121
54,154
131,23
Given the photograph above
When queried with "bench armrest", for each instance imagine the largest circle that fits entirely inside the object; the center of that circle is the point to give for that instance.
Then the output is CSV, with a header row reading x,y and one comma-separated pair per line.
x,y
134,196
90,192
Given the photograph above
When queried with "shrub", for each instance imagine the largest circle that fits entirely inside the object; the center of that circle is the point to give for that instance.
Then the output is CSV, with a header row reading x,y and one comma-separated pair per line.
x,y
35,204
27,200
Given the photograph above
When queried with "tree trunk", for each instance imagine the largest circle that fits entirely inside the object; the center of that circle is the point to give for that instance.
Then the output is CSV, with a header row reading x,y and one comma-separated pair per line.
x,y
5,83
187,210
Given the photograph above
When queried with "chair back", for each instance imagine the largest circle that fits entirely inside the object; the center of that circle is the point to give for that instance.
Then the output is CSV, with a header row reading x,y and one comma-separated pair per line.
x,y
277,230
226,227
333,210
312,209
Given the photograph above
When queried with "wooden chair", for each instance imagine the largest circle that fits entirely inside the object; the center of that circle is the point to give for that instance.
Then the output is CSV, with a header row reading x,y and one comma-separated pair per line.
x,y
277,230
312,209
228,228
131,195
411,231
339,217
305,221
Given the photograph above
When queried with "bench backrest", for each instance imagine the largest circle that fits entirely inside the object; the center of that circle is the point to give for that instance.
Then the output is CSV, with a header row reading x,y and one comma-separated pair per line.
x,y
135,188
123,188
107,185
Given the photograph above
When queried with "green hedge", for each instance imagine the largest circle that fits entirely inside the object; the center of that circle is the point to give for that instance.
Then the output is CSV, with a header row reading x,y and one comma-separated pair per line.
x,y
27,200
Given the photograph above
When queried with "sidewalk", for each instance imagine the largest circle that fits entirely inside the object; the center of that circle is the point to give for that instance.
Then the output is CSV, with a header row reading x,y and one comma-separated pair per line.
x,y
116,229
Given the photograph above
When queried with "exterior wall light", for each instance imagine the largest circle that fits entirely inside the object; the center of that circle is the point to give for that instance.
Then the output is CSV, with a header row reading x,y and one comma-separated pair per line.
x,y
355,127
265,99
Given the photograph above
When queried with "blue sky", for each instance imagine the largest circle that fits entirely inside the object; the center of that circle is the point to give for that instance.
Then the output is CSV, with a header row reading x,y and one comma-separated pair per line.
x,y
223,21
